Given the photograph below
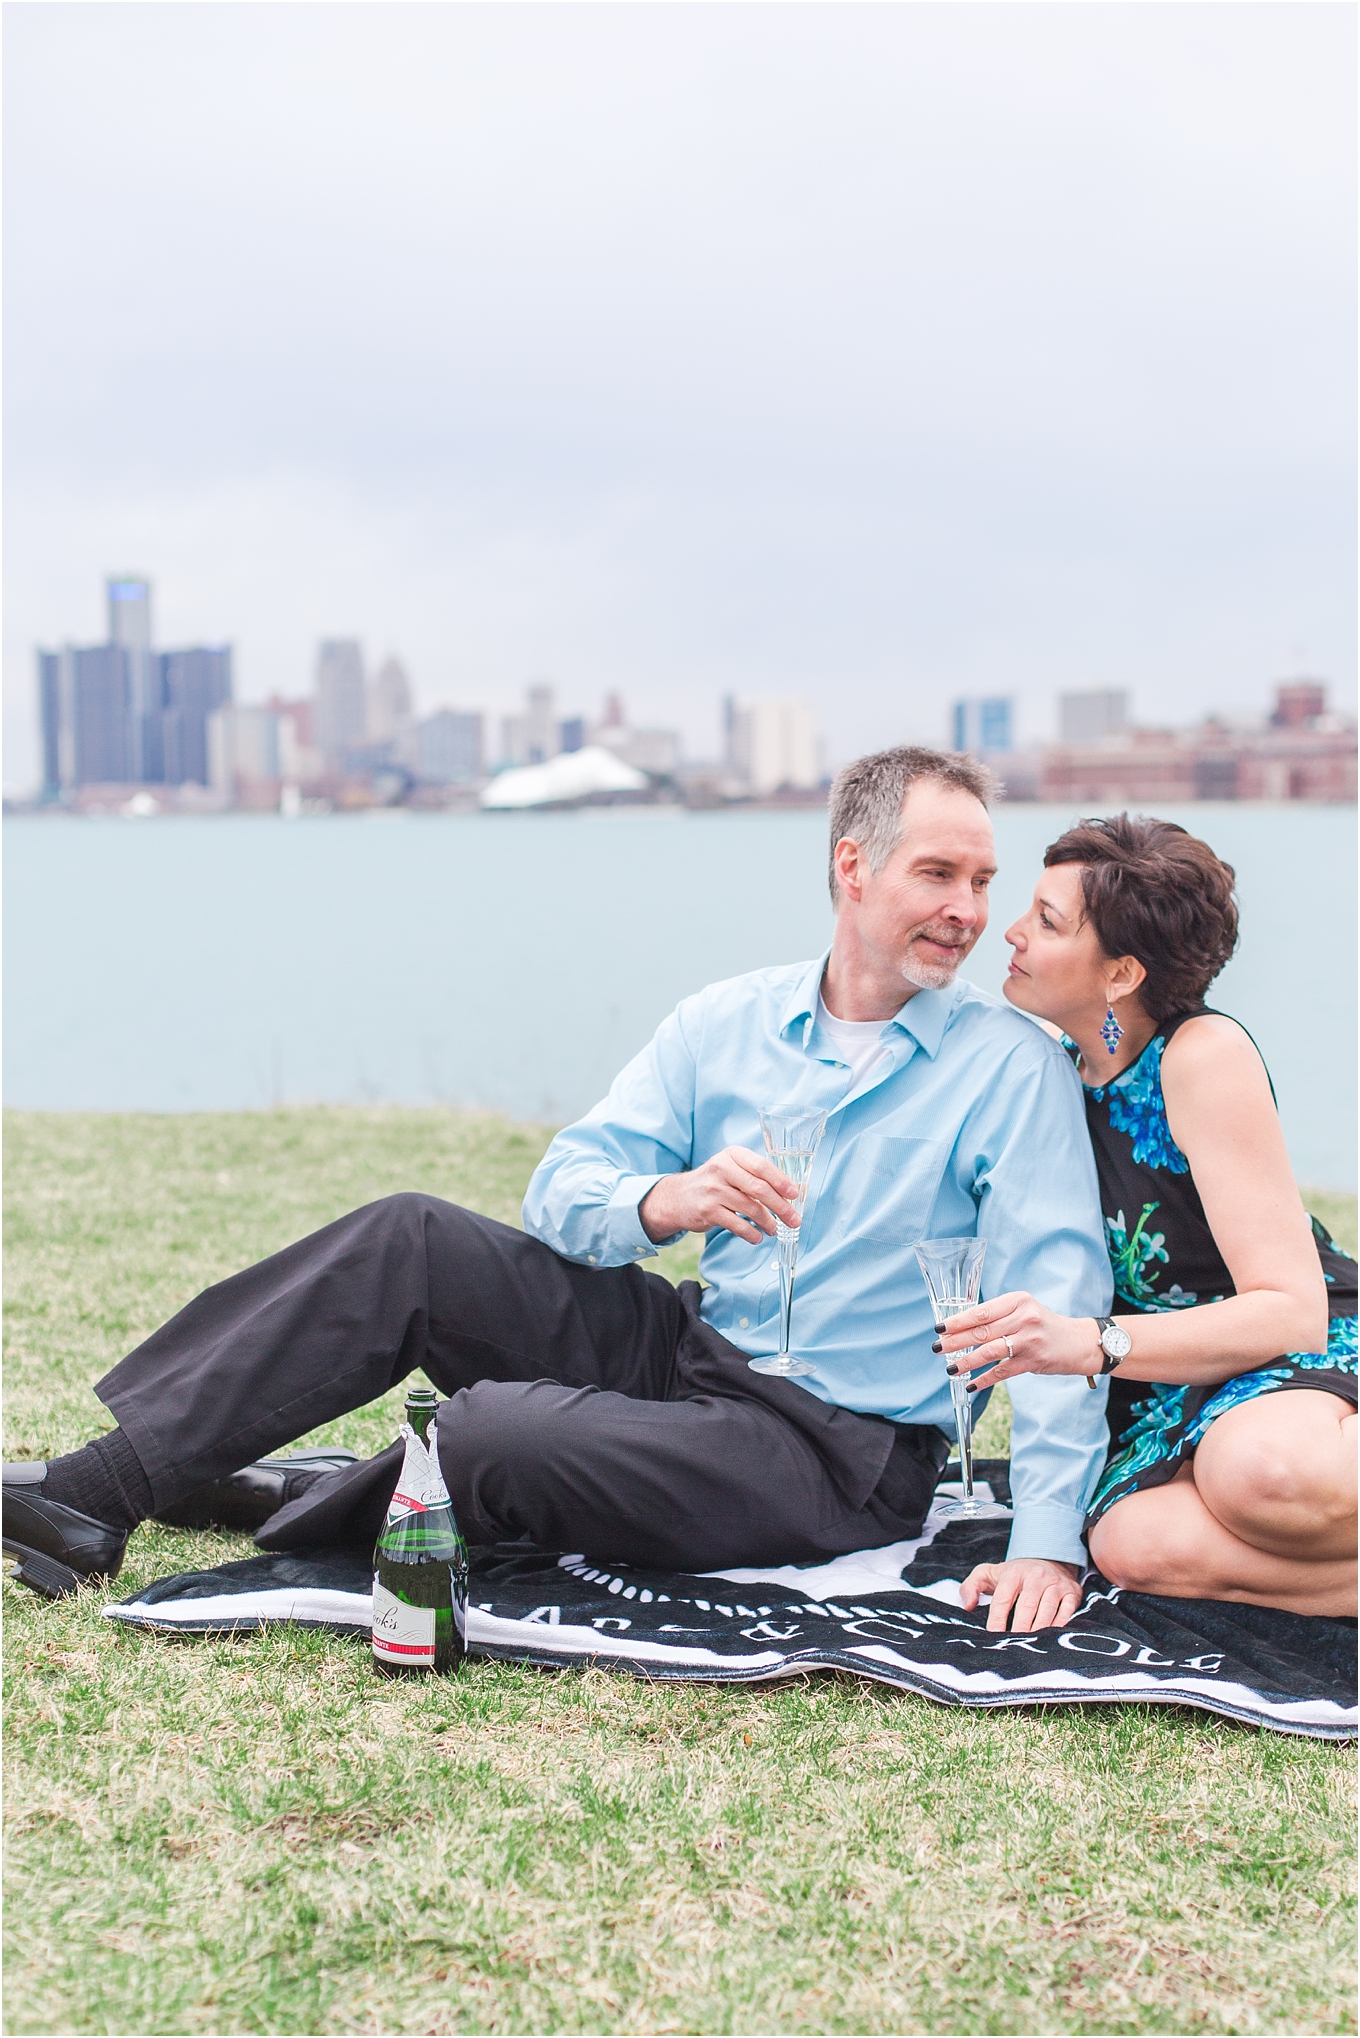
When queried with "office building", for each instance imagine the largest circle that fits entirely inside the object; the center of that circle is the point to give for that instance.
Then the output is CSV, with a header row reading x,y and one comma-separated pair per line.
x,y
1091,717
391,719
242,749
1299,704
340,722
123,713
1300,753
194,684
772,745
450,748
86,704
571,734
129,612
655,751
300,762
533,737
389,703
981,725
57,766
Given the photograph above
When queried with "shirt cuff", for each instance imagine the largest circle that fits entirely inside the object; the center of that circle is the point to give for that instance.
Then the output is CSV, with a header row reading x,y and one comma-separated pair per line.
x,y
1048,1529
627,1239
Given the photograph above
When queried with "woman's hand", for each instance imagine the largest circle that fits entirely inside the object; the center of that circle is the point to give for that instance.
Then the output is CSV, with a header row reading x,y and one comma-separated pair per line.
x,y
1032,1592
1040,1341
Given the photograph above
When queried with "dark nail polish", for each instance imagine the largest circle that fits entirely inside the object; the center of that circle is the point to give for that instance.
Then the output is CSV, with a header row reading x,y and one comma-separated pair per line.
x,y
952,1371
937,1346
939,1330
972,1387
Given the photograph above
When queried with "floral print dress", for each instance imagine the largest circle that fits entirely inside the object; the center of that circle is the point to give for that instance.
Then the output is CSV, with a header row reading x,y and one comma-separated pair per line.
x,y
1164,1257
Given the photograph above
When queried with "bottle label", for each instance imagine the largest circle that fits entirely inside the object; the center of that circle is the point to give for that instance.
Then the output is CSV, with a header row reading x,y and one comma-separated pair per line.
x,y
401,1633
420,1484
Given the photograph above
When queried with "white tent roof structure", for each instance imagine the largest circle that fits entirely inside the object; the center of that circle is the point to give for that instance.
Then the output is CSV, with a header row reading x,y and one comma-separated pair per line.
x,y
573,775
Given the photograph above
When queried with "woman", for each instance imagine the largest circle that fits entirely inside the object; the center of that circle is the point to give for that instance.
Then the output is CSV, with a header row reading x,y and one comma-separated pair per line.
x,y
1232,1469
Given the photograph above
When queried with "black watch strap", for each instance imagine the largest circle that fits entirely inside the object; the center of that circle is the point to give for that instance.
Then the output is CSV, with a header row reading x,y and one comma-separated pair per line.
x,y
1108,1364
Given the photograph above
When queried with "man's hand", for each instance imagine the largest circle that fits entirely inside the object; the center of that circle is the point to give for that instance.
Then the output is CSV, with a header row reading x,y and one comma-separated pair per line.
x,y
1032,1592
737,1191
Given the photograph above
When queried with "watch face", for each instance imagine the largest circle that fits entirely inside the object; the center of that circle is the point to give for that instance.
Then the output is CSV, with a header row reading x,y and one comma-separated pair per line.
x,y
1116,1342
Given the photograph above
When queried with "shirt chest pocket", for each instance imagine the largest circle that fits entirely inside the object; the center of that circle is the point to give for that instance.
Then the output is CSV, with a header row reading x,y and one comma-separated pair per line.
x,y
897,1180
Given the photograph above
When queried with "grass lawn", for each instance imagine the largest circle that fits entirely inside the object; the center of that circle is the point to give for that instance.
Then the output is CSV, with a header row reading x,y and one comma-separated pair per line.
x,y
261,1836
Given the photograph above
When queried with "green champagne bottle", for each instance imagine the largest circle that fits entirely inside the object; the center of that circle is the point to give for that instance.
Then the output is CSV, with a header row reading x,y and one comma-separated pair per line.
x,y
420,1573
422,1405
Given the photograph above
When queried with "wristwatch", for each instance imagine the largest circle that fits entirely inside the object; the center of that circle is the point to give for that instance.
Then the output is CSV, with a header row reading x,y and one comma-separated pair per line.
x,y
1115,1343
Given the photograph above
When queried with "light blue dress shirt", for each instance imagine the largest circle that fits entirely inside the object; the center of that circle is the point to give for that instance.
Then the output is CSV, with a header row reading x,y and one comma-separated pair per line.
x,y
973,1125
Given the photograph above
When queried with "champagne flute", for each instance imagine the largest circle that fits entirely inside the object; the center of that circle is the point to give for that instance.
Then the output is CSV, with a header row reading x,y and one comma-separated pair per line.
x,y
791,1141
953,1271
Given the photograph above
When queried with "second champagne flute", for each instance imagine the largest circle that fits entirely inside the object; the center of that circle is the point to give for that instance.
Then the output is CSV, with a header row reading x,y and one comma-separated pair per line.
x,y
953,1271
791,1141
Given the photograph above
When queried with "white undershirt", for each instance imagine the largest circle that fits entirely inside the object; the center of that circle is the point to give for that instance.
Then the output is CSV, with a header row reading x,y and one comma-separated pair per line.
x,y
857,1041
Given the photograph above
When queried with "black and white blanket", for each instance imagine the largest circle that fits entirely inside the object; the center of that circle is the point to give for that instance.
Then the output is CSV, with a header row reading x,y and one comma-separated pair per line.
x,y
892,1614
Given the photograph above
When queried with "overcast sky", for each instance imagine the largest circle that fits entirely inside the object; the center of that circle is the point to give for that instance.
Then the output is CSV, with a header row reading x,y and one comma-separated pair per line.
x,y
877,353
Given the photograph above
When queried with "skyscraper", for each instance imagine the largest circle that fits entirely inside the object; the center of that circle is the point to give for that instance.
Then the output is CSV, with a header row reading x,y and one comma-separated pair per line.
x,y
389,702
450,747
1088,717
341,718
982,725
129,606
194,684
120,712
535,736
772,744
243,748
86,715
50,719
391,718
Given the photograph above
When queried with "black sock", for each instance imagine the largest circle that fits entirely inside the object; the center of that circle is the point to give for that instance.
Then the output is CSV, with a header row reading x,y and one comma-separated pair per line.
x,y
105,1480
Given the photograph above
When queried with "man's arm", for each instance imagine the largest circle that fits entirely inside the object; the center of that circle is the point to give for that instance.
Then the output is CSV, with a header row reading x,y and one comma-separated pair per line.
x,y
622,1180
1040,1214
584,1194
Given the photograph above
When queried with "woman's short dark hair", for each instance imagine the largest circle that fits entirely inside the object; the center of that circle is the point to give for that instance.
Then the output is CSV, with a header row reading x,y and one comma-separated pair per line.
x,y
1159,894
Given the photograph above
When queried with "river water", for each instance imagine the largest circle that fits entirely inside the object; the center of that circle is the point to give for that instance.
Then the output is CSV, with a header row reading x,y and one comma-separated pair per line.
x,y
516,961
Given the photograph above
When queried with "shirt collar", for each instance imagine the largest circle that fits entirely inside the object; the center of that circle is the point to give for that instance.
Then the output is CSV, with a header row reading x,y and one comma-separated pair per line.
x,y
924,1016
801,1004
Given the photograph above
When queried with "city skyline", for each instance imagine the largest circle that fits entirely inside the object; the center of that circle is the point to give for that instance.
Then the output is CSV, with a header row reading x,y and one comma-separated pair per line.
x,y
974,352
122,715
372,707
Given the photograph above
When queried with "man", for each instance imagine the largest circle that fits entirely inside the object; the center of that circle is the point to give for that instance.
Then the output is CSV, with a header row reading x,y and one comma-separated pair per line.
x,y
595,1408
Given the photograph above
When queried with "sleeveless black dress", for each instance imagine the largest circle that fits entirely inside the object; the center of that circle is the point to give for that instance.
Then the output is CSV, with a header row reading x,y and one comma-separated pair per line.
x,y
1164,1257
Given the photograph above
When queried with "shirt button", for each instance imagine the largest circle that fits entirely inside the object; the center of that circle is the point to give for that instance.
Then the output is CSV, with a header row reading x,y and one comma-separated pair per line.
x,y
745,1323
591,1258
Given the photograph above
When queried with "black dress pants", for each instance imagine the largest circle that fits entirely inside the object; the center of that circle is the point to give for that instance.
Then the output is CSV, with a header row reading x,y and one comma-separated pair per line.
x,y
590,1409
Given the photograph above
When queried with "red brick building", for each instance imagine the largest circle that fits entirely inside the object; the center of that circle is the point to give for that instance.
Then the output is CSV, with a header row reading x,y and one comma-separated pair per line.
x,y
1303,753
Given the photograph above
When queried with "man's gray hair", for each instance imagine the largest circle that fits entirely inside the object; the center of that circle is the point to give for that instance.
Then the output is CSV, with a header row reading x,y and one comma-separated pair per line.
x,y
867,796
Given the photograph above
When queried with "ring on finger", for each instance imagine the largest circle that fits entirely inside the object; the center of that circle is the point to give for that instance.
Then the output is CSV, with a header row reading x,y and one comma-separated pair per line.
x,y
1010,1349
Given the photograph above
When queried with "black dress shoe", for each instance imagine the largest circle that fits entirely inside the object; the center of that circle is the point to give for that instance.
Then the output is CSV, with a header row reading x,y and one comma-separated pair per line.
x,y
59,1549
246,1499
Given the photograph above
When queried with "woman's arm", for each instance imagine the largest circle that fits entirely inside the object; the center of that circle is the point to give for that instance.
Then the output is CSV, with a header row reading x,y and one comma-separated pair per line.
x,y
1223,1118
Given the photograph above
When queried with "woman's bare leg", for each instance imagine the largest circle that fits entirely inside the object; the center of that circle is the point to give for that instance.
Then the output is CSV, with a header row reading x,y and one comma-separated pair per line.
x,y
1169,1540
1280,1473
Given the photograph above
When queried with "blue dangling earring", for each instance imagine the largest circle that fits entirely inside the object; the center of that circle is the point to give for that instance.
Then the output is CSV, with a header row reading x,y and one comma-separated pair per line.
x,y
1111,1032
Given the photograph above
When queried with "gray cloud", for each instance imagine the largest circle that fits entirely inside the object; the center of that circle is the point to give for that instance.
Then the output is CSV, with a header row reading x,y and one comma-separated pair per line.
x,y
874,352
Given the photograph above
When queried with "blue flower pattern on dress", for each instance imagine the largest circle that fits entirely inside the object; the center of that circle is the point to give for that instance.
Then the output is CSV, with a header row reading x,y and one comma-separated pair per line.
x,y
1136,1107
1151,1437
1131,1256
